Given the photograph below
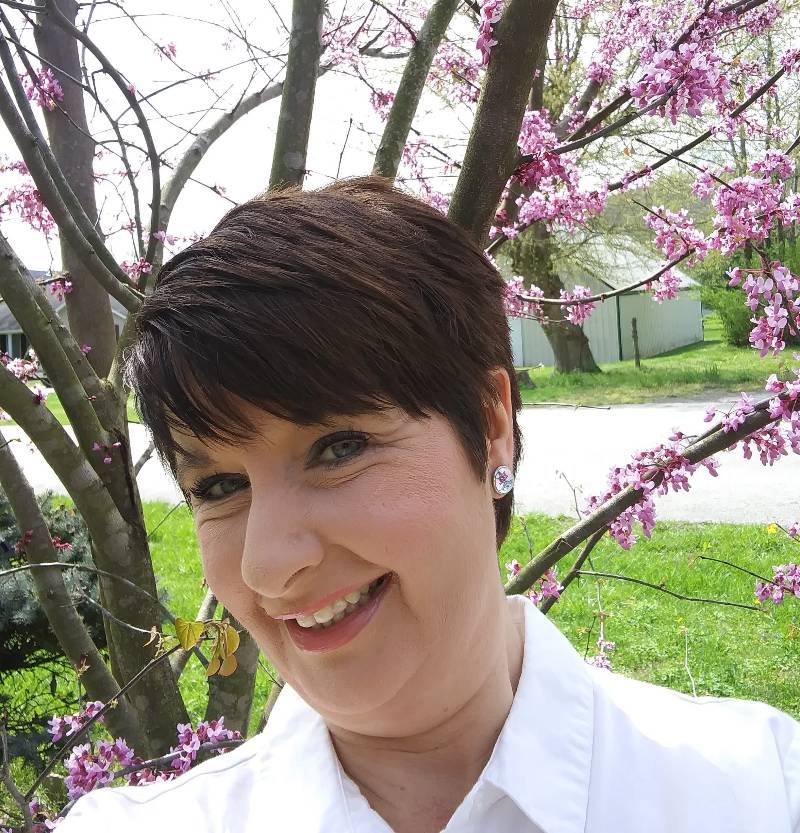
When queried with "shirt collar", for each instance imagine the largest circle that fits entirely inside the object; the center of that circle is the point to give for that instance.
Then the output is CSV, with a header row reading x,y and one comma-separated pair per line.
x,y
542,758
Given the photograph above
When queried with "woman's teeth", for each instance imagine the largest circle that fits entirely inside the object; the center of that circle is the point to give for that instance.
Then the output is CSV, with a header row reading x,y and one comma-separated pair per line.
x,y
336,611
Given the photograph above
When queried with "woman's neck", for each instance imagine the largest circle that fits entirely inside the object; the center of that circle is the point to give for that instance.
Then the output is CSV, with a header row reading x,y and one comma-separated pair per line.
x,y
415,783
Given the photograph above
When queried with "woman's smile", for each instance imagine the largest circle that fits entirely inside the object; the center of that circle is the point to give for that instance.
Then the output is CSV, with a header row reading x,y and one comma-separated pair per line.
x,y
338,623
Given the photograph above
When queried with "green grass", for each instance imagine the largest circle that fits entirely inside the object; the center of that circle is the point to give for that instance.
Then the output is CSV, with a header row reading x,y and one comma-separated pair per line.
x,y
54,405
687,371
731,652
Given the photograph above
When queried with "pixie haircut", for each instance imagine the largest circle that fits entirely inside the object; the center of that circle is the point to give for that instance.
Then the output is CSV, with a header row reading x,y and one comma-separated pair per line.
x,y
311,304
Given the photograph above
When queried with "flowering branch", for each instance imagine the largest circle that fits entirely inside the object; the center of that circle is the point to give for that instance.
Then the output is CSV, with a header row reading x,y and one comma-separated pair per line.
x,y
492,147
409,91
717,440
53,595
58,755
50,180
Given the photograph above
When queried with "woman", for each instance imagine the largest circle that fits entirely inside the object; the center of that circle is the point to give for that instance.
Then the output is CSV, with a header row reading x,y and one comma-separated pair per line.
x,y
329,376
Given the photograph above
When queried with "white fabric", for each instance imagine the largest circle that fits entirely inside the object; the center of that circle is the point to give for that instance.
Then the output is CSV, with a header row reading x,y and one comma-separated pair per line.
x,y
582,751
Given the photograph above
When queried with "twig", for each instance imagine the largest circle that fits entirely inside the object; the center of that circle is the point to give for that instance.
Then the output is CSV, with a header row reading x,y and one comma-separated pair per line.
x,y
575,569
686,660
59,754
669,592
146,455
5,777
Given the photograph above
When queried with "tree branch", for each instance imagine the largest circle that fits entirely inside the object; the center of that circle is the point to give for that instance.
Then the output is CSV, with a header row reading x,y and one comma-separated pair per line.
x,y
29,149
20,291
62,187
716,441
409,91
669,592
492,148
297,101
155,161
54,598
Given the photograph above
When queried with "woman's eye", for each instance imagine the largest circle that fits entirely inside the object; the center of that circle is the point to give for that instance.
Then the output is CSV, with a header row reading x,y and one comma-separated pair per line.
x,y
339,450
218,486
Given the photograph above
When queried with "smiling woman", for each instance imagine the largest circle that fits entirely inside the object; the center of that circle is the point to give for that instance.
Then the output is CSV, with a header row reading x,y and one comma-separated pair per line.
x,y
329,376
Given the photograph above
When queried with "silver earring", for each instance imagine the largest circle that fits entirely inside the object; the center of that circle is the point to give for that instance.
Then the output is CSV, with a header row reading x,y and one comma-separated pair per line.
x,y
503,480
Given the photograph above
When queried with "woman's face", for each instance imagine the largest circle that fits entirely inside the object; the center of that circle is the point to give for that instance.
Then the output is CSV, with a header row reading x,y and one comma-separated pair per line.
x,y
297,525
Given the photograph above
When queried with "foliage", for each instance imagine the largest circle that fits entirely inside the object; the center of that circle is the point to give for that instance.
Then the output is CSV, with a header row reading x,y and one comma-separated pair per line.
x,y
27,642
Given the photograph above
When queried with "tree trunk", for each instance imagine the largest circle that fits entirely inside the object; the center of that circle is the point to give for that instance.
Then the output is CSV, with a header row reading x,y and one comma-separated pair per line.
x,y
297,100
409,92
233,696
532,259
491,154
88,305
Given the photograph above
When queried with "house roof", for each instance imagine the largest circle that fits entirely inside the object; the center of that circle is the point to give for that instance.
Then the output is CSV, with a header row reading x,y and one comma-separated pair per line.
x,y
617,267
8,324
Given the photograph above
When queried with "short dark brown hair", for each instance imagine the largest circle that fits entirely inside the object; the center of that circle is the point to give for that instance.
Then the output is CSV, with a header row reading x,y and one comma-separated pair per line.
x,y
309,304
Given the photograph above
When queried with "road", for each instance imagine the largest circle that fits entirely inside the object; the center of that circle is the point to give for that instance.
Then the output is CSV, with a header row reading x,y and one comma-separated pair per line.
x,y
577,446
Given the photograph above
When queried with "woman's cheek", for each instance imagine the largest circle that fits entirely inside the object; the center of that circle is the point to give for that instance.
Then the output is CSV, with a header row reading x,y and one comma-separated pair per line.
x,y
221,541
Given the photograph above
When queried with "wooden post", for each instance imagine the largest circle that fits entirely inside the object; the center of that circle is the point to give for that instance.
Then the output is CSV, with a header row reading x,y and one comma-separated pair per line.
x,y
637,359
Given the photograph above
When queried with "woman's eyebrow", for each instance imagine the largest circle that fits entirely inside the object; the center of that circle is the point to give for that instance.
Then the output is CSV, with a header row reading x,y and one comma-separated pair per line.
x,y
186,461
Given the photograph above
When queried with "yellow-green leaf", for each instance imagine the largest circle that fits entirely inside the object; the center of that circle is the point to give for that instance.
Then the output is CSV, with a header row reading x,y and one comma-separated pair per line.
x,y
228,666
231,640
188,632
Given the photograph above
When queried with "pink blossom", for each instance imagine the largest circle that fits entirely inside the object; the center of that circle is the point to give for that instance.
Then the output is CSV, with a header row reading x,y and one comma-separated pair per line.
x,y
168,50
578,313
382,101
546,587
491,12
45,90
790,60
692,75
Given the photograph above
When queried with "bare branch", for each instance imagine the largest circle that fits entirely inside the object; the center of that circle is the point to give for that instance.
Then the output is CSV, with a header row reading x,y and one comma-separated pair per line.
x,y
145,456
409,91
297,101
575,570
661,588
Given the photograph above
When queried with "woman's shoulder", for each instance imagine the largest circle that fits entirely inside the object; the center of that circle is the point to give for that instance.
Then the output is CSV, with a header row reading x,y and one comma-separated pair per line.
x,y
202,799
727,742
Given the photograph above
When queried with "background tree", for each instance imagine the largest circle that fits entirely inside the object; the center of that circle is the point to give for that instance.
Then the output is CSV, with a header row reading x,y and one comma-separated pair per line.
x,y
676,62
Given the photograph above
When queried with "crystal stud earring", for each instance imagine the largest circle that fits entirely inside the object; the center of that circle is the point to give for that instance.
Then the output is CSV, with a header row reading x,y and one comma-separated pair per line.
x,y
503,479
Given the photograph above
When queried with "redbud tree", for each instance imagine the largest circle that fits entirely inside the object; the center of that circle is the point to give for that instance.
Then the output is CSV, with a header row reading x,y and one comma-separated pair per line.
x,y
525,121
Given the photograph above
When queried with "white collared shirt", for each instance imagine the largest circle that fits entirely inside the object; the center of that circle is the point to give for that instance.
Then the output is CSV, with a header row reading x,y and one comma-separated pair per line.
x,y
582,751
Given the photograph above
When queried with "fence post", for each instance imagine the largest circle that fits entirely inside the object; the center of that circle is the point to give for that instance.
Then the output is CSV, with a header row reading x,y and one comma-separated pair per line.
x,y
637,359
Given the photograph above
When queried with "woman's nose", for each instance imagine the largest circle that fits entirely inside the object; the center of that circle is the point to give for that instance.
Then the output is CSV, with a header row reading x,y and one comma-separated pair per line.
x,y
280,541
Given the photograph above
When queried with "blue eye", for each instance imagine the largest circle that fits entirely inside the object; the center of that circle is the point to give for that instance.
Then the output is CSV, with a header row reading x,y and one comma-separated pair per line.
x,y
218,486
339,447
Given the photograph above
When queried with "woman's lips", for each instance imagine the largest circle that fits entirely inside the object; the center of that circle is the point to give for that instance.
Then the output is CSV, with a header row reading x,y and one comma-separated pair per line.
x,y
339,633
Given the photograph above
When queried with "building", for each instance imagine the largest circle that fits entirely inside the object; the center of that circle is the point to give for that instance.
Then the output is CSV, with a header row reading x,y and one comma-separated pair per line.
x,y
609,329
15,343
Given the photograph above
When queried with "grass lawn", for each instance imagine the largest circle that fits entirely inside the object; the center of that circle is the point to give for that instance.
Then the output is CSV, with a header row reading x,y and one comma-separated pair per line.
x,y
54,404
731,651
708,365
722,651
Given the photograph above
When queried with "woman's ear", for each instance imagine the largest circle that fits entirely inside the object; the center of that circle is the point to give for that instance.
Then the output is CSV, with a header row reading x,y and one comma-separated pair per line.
x,y
500,438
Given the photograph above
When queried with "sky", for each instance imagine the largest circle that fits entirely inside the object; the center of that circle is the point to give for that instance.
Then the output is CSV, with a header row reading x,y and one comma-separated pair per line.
x,y
240,161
